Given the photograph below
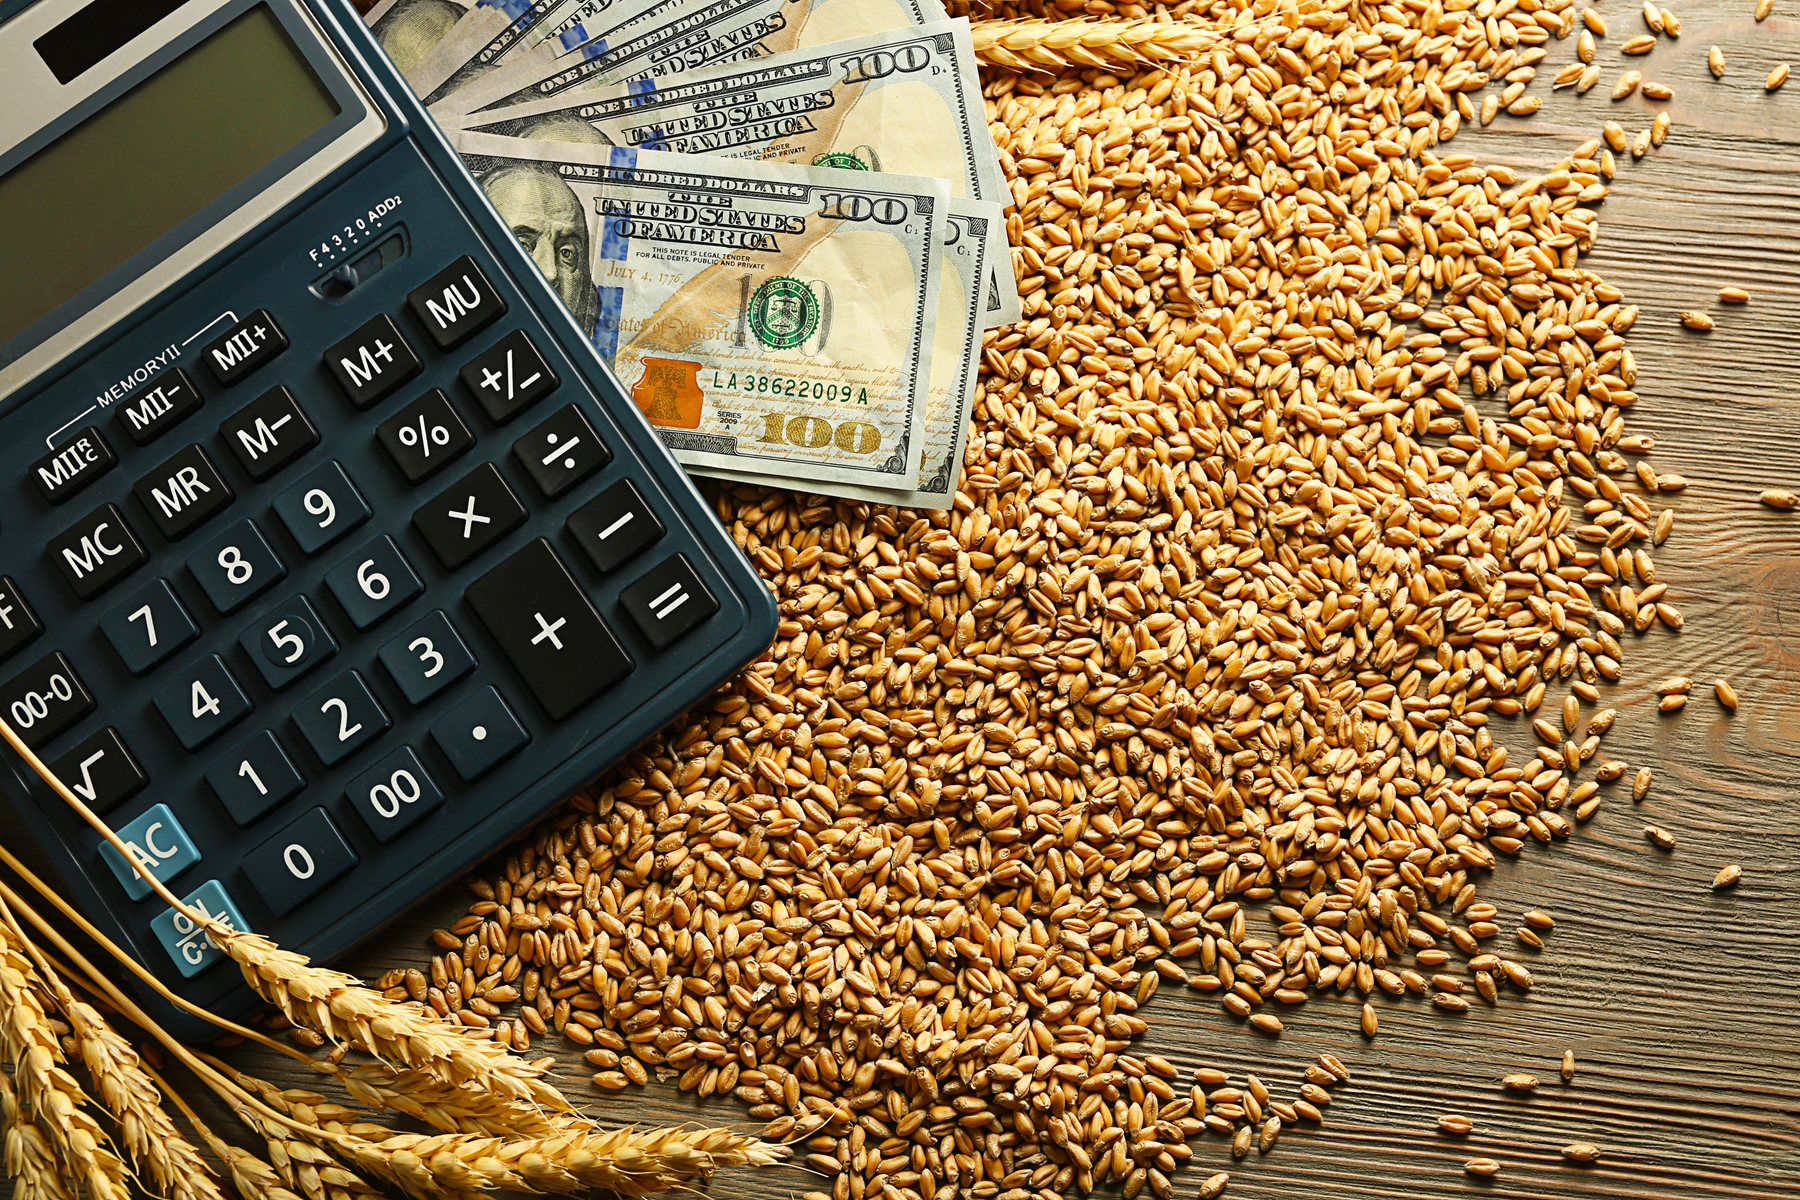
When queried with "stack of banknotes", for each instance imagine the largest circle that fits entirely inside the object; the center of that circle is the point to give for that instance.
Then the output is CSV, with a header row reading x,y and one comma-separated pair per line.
x,y
779,220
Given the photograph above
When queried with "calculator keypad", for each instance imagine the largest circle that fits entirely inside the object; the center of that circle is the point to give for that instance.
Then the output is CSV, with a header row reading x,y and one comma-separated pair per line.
x,y
158,843
247,346
288,641
291,867
19,626
372,362
269,433
456,304
373,582
45,699
183,492
97,551
321,508
253,777
202,702
469,516
340,718
425,436
509,377
101,770
186,943
236,567
668,602
148,626
614,526
427,658
548,629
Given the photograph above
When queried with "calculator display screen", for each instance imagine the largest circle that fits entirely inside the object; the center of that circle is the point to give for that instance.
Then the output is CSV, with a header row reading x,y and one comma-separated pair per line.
x,y
151,159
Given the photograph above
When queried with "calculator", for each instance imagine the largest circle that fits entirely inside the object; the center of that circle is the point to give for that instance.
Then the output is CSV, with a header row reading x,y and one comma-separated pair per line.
x,y
331,553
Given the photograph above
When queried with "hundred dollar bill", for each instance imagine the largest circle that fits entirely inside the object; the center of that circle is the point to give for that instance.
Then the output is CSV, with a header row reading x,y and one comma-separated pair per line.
x,y
490,33
954,359
634,39
408,29
765,317
906,101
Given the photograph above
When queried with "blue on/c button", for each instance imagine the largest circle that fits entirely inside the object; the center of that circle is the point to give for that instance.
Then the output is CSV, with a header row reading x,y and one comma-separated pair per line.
x,y
158,841
186,942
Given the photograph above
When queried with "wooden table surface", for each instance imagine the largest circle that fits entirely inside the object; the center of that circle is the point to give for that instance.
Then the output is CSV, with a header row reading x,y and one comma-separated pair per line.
x,y
1680,1004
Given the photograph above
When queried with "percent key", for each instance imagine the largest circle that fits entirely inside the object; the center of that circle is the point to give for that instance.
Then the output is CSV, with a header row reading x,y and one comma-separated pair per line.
x,y
425,435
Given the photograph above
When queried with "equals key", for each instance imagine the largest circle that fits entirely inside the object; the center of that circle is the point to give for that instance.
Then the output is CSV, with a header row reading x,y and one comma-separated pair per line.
x,y
509,377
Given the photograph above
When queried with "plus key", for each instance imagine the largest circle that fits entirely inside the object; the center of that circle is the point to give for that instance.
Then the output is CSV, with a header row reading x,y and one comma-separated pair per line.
x,y
548,629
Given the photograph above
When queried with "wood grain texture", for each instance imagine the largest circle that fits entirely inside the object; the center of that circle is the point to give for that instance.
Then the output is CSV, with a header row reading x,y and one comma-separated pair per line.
x,y
1680,1004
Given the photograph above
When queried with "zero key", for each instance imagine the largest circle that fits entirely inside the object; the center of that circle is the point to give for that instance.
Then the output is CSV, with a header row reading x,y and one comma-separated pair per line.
x,y
290,868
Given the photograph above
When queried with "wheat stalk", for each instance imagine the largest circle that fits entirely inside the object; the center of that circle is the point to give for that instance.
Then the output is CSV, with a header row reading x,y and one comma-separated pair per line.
x,y
444,1107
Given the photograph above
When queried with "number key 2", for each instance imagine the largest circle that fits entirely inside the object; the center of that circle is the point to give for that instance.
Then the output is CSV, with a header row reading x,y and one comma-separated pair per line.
x,y
341,718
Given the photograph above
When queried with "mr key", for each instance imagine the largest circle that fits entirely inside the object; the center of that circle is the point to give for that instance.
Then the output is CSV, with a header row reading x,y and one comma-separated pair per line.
x,y
332,554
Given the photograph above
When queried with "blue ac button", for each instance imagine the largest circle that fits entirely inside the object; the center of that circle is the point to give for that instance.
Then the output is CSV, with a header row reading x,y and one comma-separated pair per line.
x,y
158,841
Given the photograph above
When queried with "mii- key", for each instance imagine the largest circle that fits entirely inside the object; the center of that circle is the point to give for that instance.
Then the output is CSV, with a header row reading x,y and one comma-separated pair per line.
x,y
331,553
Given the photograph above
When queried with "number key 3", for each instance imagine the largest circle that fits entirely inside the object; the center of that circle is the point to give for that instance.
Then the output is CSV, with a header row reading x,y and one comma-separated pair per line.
x,y
427,658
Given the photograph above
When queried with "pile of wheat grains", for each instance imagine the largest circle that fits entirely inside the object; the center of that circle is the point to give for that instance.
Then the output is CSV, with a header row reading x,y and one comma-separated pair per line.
x,y
1307,461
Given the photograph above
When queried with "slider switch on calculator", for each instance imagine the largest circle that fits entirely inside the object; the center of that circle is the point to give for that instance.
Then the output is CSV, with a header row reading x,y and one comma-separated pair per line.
x,y
548,629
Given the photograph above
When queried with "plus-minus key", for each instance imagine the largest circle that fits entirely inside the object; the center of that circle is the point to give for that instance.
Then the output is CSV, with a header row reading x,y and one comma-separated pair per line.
x,y
509,377
548,629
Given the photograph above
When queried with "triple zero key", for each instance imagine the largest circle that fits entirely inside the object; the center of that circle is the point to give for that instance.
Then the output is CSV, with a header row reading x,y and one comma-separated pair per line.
x,y
548,629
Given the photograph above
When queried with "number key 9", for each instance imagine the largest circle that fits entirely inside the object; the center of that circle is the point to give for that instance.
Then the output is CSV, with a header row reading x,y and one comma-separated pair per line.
x,y
321,508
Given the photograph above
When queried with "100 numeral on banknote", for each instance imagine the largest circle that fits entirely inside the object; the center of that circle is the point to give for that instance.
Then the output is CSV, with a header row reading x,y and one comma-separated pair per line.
x,y
766,318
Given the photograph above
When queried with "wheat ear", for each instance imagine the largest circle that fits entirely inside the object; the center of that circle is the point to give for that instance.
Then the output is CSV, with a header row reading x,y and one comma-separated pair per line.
x,y
30,1158
47,1091
331,1002
1033,44
155,1145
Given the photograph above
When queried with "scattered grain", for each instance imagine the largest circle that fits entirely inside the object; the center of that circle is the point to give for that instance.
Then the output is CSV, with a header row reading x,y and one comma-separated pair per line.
x,y
1659,837
1519,1082
1731,294
1455,1123
1653,90
1764,8
1728,876
1484,1167
1625,85
1643,43
1715,62
1776,77
1779,498
1691,318
1583,1152
1568,1065
1213,1186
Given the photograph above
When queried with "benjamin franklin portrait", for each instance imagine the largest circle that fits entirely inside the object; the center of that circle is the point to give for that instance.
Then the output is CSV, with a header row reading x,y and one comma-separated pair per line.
x,y
411,28
546,217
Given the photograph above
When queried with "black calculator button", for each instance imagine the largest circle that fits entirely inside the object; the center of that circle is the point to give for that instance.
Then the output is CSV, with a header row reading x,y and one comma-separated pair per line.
x,y
424,436
236,567
253,777
456,303
101,771
97,551
427,658
373,582
244,347
203,702
288,641
183,492
321,508
668,602
269,433
561,452
173,400
149,626
509,377
614,526
468,517
290,868
478,734
548,629
18,624
45,699
372,362
393,794
73,465
341,718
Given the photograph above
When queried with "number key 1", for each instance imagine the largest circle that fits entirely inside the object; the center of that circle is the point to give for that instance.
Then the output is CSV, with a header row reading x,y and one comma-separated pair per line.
x,y
254,776
321,508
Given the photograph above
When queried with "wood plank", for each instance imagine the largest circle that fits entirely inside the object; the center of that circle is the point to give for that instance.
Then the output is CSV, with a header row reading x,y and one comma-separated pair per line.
x,y
1679,1003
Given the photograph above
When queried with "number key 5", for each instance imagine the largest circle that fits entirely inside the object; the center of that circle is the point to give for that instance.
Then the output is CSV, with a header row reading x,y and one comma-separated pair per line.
x,y
287,642
373,582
